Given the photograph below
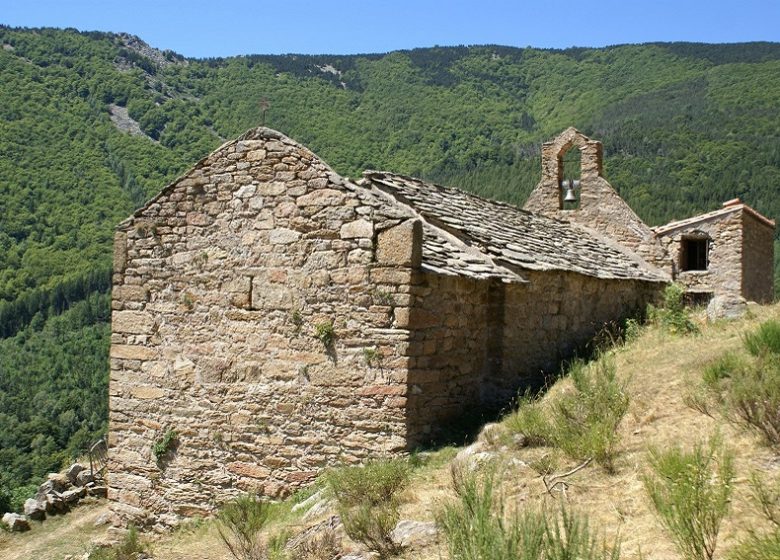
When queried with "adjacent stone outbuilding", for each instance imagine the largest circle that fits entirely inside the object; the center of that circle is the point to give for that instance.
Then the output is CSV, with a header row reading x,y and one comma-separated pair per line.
x,y
729,251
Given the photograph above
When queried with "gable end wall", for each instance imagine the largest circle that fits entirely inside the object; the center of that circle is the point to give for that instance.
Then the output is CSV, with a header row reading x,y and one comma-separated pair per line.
x,y
222,287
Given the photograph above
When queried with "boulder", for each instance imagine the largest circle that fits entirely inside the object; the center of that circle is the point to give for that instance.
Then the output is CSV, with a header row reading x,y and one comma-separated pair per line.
x,y
55,504
98,491
73,471
72,497
84,478
726,307
16,522
59,481
34,509
414,534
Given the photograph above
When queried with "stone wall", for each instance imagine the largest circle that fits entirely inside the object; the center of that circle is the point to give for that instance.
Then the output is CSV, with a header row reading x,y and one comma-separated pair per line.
x,y
555,316
758,257
724,270
478,342
450,343
259,310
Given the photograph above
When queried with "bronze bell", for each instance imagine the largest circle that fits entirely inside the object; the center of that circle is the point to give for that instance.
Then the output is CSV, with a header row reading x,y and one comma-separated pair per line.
x,y
570,186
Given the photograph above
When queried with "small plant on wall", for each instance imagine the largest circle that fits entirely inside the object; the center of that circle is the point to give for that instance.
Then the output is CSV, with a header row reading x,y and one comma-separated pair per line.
x,y
163,447
325,333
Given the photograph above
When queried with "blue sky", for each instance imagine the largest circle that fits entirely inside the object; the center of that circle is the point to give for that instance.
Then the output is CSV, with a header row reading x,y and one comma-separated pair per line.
x,y
222,28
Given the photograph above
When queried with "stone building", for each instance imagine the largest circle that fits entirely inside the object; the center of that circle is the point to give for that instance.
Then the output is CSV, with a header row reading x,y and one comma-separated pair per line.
x,y
726,252
271,317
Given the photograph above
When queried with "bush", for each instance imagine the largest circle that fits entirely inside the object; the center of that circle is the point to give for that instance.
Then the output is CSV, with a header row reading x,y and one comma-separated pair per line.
x,y
746,392
376,482
690,492
767,496
130,548
757,547
240,525
325,546
673,316
585,420
530,420
765,340
372,525
476,528
762,547
367,499
568,536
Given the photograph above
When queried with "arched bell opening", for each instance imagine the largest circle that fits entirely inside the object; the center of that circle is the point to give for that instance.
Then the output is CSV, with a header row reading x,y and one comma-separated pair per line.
x,y
569,178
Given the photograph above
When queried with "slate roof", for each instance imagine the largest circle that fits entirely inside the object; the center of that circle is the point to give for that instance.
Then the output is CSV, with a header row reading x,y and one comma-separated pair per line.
x,y
729,207
469,235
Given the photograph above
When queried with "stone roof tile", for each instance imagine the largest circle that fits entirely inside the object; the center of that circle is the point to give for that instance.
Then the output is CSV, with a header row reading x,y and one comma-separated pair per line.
x,y
510,238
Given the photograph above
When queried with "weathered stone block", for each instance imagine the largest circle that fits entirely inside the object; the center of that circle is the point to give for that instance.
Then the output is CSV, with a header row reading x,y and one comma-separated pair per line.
x,y
120,251
145,392
401,245
138,322
273,188
248,469
321,197
132,352
284,236
358,228
267,295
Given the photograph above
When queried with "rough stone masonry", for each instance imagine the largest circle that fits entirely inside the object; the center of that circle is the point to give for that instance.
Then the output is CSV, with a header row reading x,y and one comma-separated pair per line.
x,y
271,318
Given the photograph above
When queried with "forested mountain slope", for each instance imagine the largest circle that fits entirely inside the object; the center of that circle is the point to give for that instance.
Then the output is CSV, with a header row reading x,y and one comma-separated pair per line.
x,y
92,124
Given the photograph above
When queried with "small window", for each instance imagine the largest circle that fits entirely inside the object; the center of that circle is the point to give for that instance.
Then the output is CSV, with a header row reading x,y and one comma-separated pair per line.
x,y
695,253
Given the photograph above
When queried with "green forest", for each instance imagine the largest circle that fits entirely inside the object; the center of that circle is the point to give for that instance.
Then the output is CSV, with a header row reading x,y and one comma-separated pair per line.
x,y
685,127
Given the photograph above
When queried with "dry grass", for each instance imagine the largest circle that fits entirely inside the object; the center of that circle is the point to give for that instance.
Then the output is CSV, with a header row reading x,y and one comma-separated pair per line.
x,y
660,370
57,536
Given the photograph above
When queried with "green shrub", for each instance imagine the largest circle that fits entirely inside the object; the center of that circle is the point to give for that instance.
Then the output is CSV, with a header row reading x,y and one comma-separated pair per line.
x,y
752,399
240,525
767,546
690,492
376,482
164,445
757,547
632,330
130,548
476,527
371,525
585,420
765,340
568,536
530,420
767,496
722,368
367,499
323,546
673,316
746,392
325,333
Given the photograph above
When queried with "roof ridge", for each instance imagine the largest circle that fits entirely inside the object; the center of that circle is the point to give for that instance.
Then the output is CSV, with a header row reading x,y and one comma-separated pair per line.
x,y
370,172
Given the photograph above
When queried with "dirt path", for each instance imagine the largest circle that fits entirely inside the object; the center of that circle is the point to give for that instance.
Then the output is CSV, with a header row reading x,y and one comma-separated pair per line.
x,y
57,536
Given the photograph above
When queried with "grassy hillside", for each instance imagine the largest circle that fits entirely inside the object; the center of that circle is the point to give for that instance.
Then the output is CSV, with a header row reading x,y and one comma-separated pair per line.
x,y
685,127
659,372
